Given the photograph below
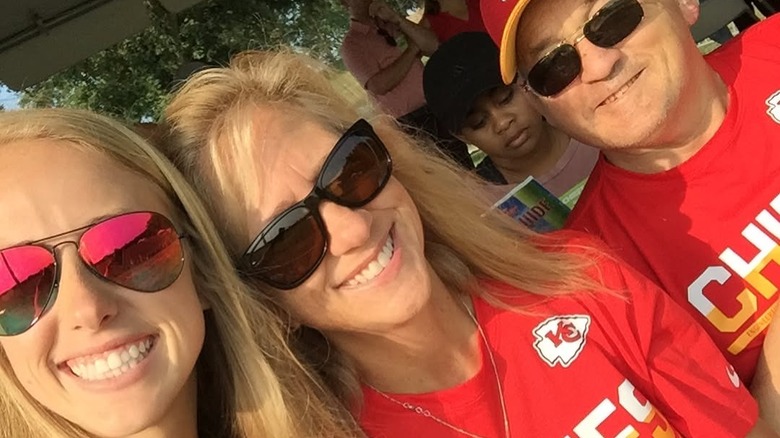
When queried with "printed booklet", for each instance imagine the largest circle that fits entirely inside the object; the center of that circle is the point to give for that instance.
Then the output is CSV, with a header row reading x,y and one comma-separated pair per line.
x,y
534,206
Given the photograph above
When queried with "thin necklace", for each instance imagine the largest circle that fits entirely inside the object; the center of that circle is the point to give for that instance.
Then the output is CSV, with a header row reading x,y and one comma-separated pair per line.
x,y
419,410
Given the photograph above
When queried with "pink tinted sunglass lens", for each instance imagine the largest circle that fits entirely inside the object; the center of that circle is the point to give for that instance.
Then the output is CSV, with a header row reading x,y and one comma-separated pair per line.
x,y
140,251
27,276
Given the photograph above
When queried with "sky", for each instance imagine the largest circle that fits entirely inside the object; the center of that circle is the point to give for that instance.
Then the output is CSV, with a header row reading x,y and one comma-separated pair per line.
x,y
8,98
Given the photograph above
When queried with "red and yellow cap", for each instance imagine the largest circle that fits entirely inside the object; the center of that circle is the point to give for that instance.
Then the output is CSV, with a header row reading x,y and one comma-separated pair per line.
x,y
501,18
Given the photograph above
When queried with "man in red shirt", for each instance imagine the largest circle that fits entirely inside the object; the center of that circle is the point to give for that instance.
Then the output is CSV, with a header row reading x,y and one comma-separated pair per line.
x,y
687,187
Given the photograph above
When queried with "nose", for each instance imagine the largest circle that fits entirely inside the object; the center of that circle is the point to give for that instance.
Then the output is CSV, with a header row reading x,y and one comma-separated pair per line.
x,y
84,302
502,119
598,63
348,228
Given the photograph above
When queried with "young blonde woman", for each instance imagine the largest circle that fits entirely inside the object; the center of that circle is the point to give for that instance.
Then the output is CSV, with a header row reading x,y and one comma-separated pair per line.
x,y
120,312
426,315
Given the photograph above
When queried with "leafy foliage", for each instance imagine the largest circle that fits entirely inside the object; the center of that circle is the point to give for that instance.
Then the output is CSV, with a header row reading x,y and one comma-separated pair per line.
x,y
131,79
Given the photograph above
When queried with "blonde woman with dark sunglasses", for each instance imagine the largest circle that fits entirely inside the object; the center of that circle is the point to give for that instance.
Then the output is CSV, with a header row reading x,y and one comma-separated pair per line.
x,y
428,316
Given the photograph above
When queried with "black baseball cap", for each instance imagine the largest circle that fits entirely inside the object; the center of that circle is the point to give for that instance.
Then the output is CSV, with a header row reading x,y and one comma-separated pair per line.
x,y
463,67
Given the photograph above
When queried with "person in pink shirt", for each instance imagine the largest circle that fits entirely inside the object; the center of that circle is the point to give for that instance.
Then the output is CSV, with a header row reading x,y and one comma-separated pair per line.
x,y
393,75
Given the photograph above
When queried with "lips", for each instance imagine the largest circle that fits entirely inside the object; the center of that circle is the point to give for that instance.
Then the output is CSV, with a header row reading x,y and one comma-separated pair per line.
x,y
614,97
111,363
517,140
374,267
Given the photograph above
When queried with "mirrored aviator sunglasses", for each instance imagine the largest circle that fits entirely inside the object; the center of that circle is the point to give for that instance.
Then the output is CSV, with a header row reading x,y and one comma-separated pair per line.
x,y
290,248
140,251
561,66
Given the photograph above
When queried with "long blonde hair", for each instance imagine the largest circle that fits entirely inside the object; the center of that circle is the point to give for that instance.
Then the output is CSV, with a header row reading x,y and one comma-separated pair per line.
x,y
249,382
210,120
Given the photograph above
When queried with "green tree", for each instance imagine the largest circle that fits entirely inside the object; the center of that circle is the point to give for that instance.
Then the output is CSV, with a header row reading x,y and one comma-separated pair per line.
x,y
131,79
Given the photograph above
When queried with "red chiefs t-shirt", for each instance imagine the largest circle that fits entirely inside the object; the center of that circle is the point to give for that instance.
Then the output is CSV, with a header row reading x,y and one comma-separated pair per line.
x,y
625,364
707,231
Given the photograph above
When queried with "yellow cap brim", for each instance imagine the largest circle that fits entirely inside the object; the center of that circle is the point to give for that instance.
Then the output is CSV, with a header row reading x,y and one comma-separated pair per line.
x,y
508,50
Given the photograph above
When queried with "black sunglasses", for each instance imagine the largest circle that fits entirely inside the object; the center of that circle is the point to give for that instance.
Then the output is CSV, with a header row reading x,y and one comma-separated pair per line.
x,y
291,247
561,65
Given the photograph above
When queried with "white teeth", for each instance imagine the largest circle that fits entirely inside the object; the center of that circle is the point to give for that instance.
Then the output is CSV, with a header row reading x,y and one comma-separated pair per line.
x,y
114,361
620,92
112,364
375,267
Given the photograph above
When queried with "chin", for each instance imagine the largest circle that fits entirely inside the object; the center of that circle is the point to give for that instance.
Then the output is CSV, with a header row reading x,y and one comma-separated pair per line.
x,y
116,429
409,299
614,135
125,422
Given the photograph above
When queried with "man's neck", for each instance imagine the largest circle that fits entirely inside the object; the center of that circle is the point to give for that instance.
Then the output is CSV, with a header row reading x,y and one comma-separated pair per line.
x,y
686,137
439,348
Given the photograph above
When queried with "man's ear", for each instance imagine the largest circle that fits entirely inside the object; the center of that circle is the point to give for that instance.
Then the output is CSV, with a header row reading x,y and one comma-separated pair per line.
x,y
690,10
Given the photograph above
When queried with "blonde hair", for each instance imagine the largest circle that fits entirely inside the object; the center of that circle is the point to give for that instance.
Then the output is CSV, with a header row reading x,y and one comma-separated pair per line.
x,y
210,120
250,384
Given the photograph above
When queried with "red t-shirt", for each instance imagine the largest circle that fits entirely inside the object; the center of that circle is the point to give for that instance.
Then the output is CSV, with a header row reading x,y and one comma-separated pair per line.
x,y
707,231
585,365
445,26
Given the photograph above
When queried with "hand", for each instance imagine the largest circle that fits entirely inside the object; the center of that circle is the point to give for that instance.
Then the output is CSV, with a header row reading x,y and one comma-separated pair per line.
x,y
380,11
413,47
392,28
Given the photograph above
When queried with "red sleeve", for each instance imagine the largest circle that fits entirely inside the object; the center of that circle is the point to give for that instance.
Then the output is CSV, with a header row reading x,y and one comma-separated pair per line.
x,y
689,379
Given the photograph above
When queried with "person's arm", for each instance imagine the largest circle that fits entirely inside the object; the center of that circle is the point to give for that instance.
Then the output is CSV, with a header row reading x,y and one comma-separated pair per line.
x,y
766,381
419,34
389,77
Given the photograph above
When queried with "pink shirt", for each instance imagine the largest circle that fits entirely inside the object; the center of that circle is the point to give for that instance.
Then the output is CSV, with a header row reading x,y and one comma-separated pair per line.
x,y
366,53
566,179
572,168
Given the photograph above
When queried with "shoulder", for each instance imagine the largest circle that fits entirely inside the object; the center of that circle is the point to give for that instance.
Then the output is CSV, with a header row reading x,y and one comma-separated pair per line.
x,y
765,32
757,46
584,149
348,43
599,263
591,200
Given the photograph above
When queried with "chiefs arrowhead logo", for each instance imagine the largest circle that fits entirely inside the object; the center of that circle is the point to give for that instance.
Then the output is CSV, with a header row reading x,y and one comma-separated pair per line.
x,y
560,339
773,106
733,376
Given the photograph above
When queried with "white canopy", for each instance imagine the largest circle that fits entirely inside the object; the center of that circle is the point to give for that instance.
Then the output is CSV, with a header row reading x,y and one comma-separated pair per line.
x,y
41,37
